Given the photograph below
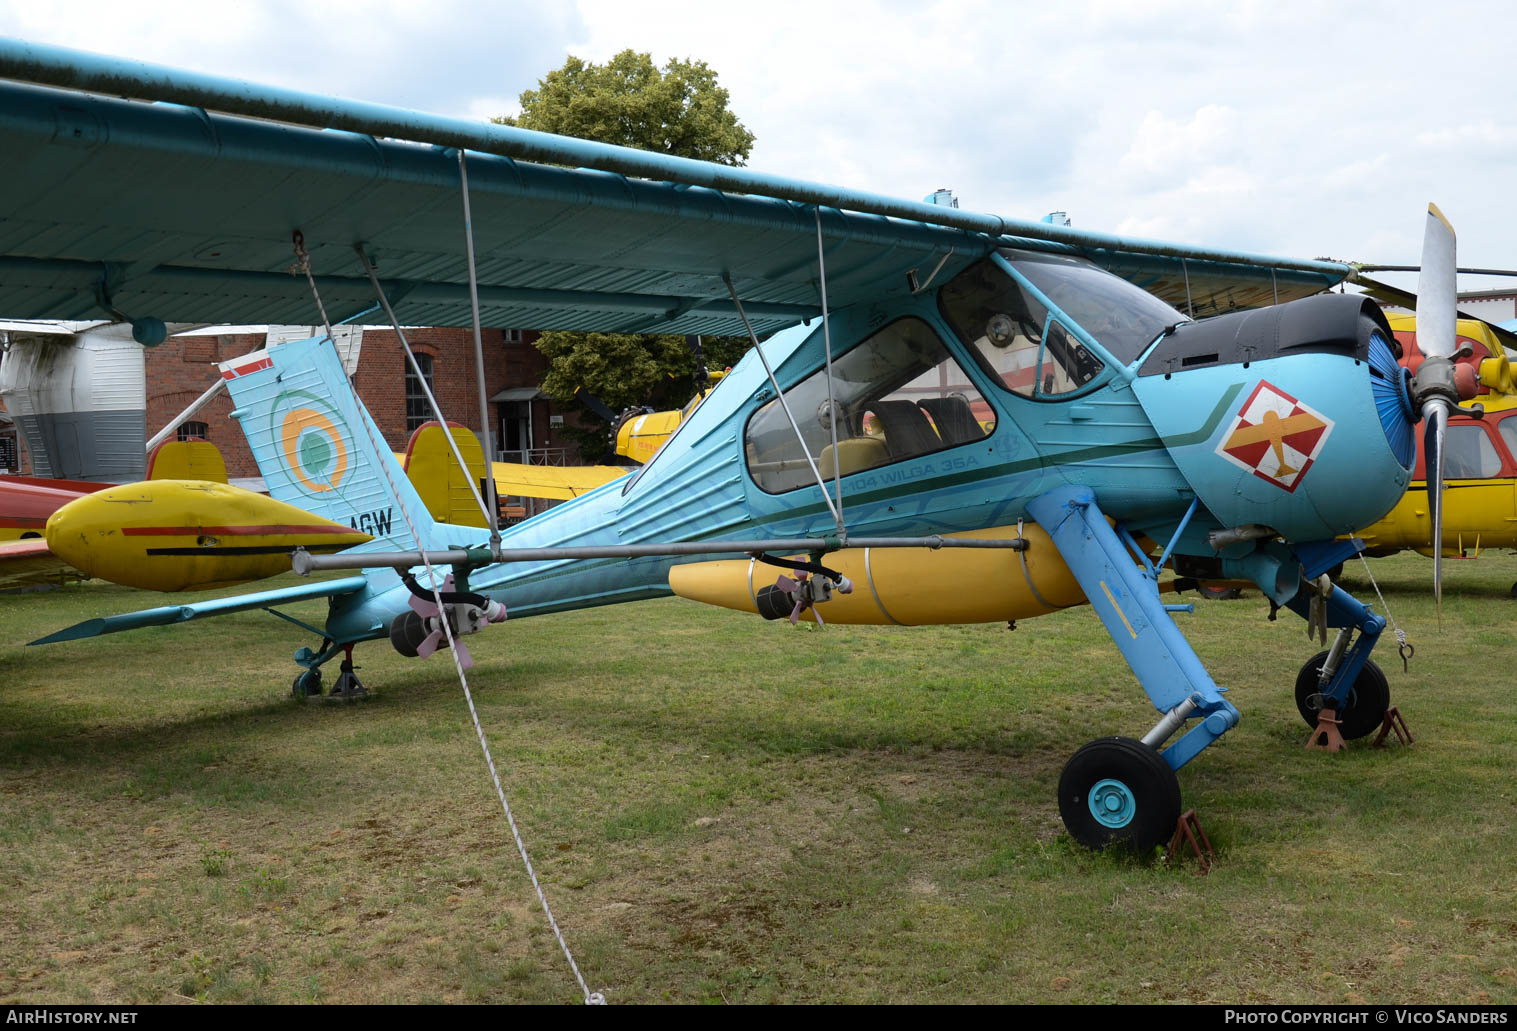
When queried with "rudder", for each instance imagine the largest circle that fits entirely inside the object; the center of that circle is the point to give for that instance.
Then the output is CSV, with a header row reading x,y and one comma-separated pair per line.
x,y
318,448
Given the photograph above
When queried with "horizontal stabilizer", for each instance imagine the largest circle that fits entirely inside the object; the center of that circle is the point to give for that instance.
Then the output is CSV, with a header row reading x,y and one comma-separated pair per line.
x,y
169,614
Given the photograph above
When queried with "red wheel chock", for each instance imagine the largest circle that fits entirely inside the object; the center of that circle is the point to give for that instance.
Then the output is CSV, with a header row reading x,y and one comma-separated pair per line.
x,y
1188,828
1393,722
1325,735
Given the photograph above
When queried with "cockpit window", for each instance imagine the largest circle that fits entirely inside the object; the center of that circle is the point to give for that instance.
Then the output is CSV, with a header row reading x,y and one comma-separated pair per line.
x,y
1122,317
897,395
1032,350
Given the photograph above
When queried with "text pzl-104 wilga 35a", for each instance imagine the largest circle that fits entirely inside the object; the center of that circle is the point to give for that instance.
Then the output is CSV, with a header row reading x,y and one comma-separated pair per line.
x,y
954,417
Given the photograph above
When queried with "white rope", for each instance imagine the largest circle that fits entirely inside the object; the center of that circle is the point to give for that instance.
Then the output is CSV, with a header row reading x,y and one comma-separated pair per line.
x,y
591,998
1401,643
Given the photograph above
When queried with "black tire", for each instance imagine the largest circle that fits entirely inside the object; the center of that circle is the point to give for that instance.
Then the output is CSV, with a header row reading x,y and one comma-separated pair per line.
x,y
1219,592
307,684
1367,700
1131,783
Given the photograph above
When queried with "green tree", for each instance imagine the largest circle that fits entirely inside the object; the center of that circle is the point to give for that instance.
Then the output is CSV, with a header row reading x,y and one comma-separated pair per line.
x,y
627,101
678,110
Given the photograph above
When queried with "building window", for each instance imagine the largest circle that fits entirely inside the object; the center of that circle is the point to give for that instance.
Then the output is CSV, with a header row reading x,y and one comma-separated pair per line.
x,y
418,410
513,336
193,431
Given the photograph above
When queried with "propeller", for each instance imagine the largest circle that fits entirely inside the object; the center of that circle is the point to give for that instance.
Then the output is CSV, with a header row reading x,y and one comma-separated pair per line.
x,y
806,592
1435,393
796,588
427,610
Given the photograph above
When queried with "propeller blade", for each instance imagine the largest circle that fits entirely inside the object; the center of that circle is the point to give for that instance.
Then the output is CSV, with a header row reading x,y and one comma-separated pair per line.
x,y
1437,288
1435,414
429,644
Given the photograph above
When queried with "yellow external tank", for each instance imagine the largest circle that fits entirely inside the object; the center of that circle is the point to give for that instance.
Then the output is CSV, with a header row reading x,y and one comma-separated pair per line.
x,y
187,535
910,586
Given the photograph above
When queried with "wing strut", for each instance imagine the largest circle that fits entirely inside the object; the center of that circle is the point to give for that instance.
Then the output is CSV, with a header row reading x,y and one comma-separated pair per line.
x,y
405,345
492,509
779,395
832,408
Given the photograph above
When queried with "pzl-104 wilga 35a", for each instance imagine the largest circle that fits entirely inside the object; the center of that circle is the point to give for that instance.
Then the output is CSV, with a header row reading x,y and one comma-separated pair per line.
x,y
957,417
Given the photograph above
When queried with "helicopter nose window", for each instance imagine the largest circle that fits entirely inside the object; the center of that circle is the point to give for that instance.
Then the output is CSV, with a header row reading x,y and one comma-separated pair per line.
x,y
1469,453
897,395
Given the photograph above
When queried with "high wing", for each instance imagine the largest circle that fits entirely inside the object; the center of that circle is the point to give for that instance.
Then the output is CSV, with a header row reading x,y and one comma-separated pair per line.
x,y
173,211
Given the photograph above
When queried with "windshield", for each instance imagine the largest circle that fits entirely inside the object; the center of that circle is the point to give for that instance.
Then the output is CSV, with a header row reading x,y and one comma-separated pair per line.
x,y
1122,317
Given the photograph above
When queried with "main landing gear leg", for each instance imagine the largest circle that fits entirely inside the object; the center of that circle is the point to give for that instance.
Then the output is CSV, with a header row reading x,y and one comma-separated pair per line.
x,y
1120,791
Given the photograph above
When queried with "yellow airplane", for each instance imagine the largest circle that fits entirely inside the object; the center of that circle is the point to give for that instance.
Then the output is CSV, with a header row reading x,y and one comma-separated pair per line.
x,y
1480,496
639,435
181,529
448,492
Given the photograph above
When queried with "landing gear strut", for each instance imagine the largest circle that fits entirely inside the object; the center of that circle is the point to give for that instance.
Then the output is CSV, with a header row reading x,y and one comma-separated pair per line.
x,y
1119,792
308,683
348,685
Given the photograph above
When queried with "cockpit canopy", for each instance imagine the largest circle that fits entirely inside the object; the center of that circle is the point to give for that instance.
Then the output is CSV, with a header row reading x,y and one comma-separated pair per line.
x,y
1033,331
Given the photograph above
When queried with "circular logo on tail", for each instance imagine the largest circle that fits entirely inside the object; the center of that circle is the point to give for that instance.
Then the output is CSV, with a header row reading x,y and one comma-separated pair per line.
x,y
306,435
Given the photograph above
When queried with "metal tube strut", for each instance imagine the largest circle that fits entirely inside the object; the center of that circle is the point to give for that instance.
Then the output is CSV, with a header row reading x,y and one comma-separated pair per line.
x,y
305,562
405,345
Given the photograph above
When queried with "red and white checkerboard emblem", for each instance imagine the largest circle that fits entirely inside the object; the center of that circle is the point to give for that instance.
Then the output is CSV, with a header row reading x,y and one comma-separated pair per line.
x,y
1275,437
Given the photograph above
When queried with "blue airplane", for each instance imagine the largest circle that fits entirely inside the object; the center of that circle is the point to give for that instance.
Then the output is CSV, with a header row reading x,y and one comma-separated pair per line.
x,y
954,417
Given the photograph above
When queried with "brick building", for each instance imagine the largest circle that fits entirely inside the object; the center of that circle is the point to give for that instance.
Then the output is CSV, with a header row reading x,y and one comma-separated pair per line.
x,y
524,424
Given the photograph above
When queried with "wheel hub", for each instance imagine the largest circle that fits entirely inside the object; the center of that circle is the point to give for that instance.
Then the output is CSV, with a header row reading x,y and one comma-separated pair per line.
x,y
1112,803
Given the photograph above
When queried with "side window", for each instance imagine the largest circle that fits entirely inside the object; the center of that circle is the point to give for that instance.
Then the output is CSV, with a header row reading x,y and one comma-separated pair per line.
x,y
898,394
1508,430
417,409
1014,336
1469,453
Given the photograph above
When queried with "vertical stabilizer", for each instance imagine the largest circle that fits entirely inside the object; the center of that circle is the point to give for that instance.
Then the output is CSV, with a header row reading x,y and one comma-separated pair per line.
x,y
317,447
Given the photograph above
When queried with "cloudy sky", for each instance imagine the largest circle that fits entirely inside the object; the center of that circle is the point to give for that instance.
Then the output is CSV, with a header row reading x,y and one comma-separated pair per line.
x,y
1284,127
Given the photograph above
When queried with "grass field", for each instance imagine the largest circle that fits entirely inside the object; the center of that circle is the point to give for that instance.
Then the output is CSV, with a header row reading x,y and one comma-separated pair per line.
x,y
726,810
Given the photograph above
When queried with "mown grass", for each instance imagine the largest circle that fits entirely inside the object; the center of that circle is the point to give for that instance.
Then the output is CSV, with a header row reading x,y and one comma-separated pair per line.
x,y
726,810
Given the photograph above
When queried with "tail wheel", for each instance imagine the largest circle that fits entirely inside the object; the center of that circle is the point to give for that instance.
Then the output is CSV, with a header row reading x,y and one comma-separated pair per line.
x,y
308,684
1119,792
1362,712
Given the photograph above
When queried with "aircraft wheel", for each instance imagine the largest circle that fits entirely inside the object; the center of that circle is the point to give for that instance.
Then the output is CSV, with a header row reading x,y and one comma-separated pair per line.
x,y
1367,700
1514,590
307,684
1119,792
